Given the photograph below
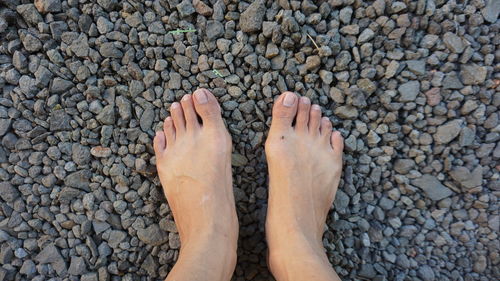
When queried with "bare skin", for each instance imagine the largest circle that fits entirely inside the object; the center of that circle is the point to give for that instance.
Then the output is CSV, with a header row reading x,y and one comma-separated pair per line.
x,y
305,164
194,166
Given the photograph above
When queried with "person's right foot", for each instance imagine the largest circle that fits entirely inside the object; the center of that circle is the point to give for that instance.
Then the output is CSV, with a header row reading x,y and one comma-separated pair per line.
x,y
305,164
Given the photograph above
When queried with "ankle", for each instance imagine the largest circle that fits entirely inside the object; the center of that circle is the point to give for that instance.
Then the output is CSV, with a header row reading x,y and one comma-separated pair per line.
x,y
285,258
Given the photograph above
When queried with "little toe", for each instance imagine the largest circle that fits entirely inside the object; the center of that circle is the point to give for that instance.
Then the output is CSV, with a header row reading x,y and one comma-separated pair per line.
x,y
207,107
314,119
178,117
303,114
189,113
169,130
285,110
326,129
159,143
337,142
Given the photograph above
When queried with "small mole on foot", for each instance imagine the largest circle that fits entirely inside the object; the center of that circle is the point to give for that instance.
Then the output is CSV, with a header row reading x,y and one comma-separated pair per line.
x,y
282,137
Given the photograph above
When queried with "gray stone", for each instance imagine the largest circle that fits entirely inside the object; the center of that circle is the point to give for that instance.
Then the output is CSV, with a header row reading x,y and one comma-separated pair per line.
x,y
366,35
43,76
4,126
480,264
107,115
453,42
214,30
346,112
391,69
50,254
8,192
92,276
48,6
185,8
59,85
345,15
77,266
447,132
432,187
29,14
238,160
416,66
147,119
109,50
426,273
367,271
79,179
386,203
234,91
313,62
31,43
251,19
116,237
466,178
59,121
28,268
134,20
80,154
104,25
341,201
403,166
473,74
409,91
491,11
451,81
157,27
150,265
352,29
152,235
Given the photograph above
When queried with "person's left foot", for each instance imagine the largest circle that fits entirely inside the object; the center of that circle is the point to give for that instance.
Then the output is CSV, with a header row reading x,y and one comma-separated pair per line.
x,y
194,165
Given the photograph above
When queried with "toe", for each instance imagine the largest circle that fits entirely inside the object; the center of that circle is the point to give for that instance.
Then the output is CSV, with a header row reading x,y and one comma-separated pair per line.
x,y
326,129
159,143
303,114
207,107
285,109
314,119
178,117
337,143
189,113
169,130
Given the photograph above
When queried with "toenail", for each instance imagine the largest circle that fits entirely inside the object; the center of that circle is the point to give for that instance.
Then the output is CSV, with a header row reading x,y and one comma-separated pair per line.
x,y
174,105
201,97
316,107
305,100
289,99
185,98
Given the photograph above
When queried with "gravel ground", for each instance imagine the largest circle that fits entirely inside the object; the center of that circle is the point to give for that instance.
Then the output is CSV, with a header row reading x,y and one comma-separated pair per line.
x,y
412,85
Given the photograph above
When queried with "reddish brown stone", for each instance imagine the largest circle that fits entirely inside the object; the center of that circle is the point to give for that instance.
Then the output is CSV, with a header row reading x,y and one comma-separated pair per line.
x,y
433,96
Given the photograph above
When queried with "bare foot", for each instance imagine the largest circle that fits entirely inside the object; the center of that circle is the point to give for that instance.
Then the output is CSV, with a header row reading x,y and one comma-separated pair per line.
x,y
305,164
194,166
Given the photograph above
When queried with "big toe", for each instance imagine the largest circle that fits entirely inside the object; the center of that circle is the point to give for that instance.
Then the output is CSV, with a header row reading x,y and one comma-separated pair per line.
x,y
285,109
207,107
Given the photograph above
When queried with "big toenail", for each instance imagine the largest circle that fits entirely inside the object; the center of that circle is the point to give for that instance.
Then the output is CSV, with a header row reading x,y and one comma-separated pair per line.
x,y
305,100
201,97
289,99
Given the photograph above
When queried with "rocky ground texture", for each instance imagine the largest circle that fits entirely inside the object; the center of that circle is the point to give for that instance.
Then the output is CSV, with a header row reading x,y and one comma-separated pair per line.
x,y
413,86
